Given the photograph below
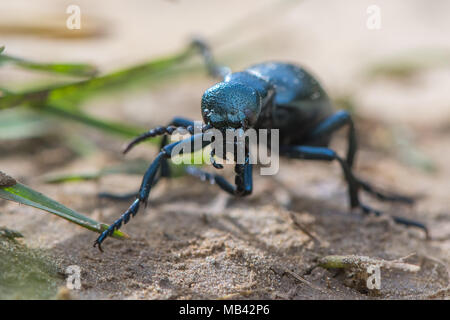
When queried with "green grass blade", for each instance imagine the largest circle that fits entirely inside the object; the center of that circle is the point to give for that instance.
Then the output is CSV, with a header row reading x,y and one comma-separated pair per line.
x,y
32,97
72,94
137,167
127,131
152,72
74,177
70,69
17,192
25,123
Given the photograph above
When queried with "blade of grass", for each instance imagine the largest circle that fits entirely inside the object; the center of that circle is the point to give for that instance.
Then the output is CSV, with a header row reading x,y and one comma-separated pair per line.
x,y
70,95
124,130
71,69
149,73
21,124
17,192
137,167
10,99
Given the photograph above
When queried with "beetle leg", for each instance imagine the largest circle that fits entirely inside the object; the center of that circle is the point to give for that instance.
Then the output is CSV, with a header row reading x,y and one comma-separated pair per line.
x,y
213,160
337,121
326,154
143,194
384,196
162,131
165,169
158,131
333,123
320,153
119,197
397,219
243,181
147,184
178,122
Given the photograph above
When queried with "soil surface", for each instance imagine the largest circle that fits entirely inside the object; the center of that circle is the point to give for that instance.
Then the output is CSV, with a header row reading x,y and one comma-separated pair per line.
x,y
193,241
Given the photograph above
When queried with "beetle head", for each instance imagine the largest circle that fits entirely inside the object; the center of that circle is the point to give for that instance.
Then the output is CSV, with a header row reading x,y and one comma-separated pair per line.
x,y
229,105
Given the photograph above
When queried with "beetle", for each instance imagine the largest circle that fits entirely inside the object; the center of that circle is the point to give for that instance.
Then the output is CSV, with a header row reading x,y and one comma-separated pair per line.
x,y
266,95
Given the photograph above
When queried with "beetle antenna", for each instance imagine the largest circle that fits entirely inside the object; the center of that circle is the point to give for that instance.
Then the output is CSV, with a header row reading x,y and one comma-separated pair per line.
x,y
214,69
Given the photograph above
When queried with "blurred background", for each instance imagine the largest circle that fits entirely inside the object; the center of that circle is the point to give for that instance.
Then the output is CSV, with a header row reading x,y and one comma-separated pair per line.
x,y
393,73
329,38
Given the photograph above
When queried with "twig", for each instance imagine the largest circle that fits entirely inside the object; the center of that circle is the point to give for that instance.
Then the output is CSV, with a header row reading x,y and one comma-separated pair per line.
x,y
302,280
405,257
304,229
361,262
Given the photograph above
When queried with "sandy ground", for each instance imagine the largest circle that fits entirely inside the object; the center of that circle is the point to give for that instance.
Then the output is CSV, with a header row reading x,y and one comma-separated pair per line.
x,y
192,241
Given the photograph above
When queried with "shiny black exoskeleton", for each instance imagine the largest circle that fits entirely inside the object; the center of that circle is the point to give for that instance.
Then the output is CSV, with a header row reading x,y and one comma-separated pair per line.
x,y
271,95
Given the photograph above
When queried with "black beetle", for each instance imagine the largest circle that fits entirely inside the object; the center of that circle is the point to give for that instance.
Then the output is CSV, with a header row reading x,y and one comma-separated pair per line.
x,y
266,95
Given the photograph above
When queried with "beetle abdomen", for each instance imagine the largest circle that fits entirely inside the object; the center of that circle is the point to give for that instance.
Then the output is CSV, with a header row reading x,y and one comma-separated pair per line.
x,y
291,82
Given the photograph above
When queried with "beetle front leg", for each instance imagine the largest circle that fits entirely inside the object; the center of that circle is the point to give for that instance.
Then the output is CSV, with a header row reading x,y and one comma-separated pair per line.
x,y
142,197
177,122
146,185
162,131
165,169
